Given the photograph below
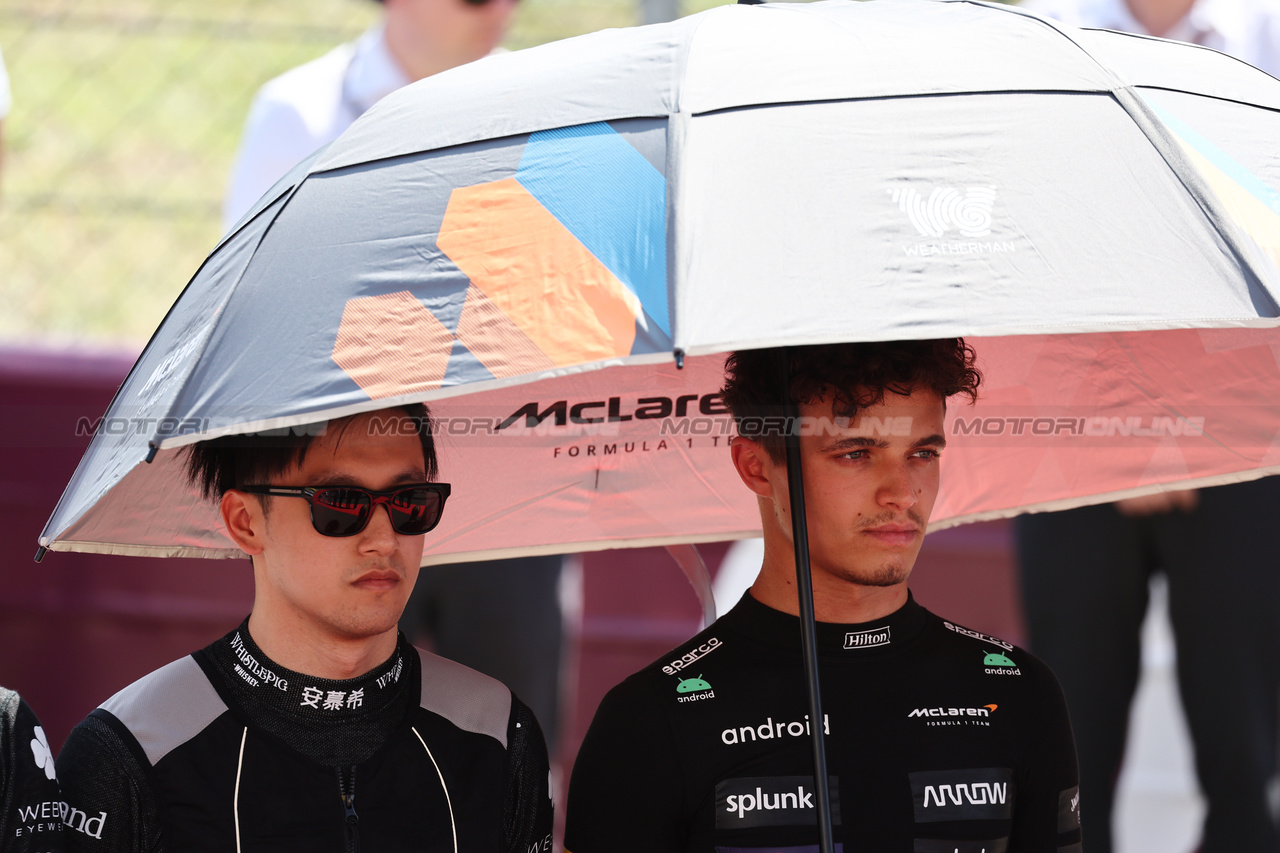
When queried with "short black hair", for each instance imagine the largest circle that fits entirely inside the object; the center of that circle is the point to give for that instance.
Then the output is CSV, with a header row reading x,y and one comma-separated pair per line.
x,y
857,374
234,461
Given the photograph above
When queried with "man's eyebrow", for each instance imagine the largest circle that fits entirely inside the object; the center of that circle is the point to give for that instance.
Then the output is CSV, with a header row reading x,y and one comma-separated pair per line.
x,y
935,440
853,442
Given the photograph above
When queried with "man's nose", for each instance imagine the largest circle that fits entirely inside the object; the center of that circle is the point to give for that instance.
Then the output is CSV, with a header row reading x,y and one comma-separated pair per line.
x,y
378,535
897,488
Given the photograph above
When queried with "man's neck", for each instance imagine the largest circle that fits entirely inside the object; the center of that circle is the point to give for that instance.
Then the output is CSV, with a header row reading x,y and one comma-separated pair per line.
x,y
1158,17
320,654
833,600
417,59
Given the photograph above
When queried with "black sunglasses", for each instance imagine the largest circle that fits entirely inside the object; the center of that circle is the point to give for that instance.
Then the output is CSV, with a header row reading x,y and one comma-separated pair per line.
x,y
346,510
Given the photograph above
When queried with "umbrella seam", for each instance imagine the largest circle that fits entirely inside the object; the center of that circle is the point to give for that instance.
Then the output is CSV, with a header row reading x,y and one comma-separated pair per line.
x,y
1185,173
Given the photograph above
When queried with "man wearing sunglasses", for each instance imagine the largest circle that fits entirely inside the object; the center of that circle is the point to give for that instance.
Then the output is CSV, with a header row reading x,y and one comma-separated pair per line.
x,y
314,725
502,617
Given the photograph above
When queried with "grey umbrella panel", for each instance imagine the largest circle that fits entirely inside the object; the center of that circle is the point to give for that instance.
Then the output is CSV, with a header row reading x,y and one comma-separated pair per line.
x,y
265,335
949,229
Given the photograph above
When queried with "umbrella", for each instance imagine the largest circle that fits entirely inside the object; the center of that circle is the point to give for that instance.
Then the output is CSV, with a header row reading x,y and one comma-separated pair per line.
x,y
556,246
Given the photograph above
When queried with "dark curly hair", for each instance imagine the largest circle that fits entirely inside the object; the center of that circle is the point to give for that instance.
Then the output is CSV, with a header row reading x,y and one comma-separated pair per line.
x,y
233,461
858,374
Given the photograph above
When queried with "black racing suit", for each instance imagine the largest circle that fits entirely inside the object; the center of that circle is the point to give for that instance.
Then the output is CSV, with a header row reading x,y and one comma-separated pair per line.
x,y
30,804
225,750
939,740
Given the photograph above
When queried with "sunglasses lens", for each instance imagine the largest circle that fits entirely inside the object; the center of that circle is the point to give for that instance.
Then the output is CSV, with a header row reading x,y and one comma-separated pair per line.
x,y
345,511
340,512
415,511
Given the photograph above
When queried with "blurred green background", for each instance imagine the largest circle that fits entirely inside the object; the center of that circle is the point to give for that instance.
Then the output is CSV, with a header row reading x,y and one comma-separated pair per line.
x,y
125,120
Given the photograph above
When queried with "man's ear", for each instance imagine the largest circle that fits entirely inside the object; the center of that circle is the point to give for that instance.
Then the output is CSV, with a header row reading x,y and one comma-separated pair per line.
x,y
244,520
754,465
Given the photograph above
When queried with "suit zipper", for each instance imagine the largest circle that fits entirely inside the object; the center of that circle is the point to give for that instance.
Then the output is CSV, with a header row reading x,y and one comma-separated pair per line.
x,y
347,788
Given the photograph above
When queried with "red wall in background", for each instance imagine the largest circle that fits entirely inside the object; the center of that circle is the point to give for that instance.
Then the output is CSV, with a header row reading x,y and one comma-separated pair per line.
x,y
78,627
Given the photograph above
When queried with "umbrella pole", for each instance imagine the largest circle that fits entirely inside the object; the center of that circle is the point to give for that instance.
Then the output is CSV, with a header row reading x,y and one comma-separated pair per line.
x,y
804,592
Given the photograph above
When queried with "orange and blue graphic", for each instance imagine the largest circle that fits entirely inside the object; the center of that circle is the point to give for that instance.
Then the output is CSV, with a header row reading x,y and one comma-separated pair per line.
x,y
566,262
1252,204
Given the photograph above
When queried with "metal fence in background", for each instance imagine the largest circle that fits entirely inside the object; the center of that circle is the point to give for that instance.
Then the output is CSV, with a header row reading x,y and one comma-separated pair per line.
x,y
125,120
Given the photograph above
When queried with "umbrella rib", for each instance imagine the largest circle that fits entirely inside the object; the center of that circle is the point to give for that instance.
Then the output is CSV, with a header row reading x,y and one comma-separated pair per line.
x,y
897,96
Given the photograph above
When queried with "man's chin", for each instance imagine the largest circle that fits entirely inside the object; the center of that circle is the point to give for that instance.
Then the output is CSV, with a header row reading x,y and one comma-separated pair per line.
x,y
891,574
363,626
886,580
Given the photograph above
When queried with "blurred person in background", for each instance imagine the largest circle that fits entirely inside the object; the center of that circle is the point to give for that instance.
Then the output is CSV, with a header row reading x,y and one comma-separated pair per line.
x,y
501,617
30,801
311,105
6,102
1085,572
1245,29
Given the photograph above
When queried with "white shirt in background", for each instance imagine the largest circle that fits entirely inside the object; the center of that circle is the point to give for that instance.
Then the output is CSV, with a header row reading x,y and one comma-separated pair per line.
x,y
305,108
6,98
1245,29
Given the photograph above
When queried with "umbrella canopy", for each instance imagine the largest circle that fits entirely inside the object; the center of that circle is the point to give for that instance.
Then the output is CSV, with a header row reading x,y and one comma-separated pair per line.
x,y
556,246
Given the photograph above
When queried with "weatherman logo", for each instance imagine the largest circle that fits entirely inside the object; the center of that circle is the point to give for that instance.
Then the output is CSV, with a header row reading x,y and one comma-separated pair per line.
x,y
868,638
977,794
946,209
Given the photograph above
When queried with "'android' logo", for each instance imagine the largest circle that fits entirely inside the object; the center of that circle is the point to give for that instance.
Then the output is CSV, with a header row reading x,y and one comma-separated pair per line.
x,y
997,664
689,685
